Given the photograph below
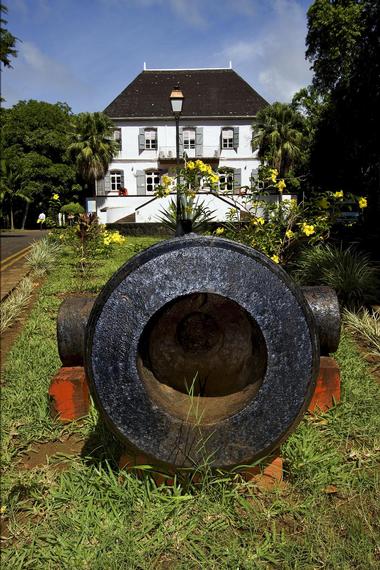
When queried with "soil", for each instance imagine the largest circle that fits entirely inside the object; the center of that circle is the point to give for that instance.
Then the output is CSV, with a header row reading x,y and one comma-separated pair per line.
x,y
41,453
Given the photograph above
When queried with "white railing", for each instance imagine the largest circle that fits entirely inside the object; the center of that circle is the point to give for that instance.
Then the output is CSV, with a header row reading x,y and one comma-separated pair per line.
x,y
169,152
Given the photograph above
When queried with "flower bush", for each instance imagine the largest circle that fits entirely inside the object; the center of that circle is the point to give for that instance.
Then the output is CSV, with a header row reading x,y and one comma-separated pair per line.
x,y
193,177
276,227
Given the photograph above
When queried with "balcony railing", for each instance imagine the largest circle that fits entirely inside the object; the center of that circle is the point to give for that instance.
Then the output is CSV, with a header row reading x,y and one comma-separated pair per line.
x,y
169,152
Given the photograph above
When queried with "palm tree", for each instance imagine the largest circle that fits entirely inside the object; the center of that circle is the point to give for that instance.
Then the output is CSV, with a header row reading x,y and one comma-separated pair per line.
x,y
278,135
94,147
11,188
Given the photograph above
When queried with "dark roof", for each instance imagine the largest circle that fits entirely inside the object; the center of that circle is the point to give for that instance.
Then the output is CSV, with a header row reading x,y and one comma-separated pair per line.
x,y
208,93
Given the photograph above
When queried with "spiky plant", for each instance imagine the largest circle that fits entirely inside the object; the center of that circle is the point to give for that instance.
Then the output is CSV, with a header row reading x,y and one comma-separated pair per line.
x,y
42,256
349,271
366,325
201,215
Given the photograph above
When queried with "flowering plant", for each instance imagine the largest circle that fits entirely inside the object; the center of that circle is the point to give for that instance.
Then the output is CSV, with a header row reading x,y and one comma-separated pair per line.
x,y
276,227
193,177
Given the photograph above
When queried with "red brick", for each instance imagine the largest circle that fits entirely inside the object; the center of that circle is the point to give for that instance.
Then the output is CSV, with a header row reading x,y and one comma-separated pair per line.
x,y
327,389
69,395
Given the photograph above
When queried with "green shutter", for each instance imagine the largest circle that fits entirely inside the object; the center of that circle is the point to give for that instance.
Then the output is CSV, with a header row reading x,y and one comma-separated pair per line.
x,y
141,140
199,141
236,138
237,178
140,181
107,183
100,187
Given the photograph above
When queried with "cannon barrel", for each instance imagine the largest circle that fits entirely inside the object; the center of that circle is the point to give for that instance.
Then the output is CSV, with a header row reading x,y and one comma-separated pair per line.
x,y
72,320
201,347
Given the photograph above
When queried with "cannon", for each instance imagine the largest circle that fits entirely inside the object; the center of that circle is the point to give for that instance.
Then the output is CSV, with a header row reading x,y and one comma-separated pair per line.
x,y
200,348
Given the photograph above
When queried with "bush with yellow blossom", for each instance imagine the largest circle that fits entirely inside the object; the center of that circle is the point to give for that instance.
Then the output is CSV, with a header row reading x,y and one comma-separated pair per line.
x,y
193,177
277,226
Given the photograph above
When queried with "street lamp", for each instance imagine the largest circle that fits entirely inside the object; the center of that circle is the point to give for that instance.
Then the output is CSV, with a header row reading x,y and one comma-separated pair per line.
x,y
176,101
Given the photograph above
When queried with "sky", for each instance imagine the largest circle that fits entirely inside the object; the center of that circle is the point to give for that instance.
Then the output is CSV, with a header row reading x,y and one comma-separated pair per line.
x,y
85,52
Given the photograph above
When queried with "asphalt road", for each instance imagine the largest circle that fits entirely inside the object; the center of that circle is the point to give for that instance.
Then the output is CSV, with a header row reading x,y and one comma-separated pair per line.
x,y
16,241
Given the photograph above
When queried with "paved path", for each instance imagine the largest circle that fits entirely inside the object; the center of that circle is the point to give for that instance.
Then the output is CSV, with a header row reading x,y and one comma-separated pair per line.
x,y
14,246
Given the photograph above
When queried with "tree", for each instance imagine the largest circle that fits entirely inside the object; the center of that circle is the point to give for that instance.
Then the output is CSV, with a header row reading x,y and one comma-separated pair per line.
x,y
94,147
279,135
334,28
35,138
346,147
7,41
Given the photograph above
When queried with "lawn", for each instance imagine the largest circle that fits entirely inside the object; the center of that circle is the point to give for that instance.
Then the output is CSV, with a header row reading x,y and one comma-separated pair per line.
x,y
78,510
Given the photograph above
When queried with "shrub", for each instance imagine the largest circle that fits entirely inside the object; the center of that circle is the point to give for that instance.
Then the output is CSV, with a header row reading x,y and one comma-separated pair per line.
x,y
366,326
73,208
200,216
13,305
348,271
42,256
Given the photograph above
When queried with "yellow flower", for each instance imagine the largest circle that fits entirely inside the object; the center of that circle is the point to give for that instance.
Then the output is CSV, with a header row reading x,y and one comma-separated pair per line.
x,y
258,221
307,229
190,165
219,231
55,196
338,194
214,178
3,509
281,185
275,258
273,173
166,180
289,234
323,203
362,202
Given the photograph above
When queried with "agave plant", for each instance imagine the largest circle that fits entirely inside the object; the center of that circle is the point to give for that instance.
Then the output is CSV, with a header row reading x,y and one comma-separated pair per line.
x,y
200,215
350,272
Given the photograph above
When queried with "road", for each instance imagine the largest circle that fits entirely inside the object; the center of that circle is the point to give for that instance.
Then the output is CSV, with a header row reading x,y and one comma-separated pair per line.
x,y
14,246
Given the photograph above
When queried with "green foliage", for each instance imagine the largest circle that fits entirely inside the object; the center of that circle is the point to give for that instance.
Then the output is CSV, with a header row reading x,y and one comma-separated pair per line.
x,y
201,215
42,257
348,271
35,137
12,305
279,135
73,208
334,29
93,147
365,325
7,41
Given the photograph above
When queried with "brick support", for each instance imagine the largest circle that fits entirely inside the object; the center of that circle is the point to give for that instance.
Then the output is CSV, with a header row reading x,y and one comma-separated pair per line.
x,y
68,394
327,389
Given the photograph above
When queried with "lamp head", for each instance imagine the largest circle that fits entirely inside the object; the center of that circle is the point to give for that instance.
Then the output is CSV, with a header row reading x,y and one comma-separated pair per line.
x,y
176,100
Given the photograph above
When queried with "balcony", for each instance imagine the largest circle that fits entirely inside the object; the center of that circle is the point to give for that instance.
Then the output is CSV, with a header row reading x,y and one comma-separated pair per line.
x,y
168,153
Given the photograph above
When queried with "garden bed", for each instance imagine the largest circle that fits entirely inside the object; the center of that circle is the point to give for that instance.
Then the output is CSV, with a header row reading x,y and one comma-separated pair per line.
x,y
67,505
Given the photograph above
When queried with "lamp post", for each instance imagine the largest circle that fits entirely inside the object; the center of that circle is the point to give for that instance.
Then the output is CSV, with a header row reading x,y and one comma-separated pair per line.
x,y
176,101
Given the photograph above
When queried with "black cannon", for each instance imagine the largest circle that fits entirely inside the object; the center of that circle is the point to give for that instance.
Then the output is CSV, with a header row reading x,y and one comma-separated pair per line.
x,y
200,347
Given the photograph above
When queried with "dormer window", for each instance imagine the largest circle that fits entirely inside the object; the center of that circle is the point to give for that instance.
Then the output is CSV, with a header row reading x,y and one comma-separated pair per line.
x,y
188,139
227,138
150,139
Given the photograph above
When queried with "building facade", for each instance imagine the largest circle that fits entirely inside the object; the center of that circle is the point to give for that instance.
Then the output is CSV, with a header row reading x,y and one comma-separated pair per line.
x,y
215,126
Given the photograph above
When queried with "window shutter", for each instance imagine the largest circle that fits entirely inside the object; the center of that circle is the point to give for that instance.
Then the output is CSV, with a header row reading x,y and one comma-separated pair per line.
x,y
107,183
236,138
199,141
221,138
122,178
253,175
180,142
140,181
141,140
100,187
237,178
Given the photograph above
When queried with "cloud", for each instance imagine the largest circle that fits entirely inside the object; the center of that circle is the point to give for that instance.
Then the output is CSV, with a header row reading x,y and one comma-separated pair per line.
x,y
275,59
41,77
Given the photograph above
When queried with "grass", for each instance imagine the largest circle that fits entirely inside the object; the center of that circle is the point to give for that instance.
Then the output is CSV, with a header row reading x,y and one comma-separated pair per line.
x,y
93,515
12,305
365,325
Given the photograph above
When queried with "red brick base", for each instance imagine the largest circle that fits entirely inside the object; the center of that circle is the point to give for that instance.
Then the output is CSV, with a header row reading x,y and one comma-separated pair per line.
x,y
68,394
327,389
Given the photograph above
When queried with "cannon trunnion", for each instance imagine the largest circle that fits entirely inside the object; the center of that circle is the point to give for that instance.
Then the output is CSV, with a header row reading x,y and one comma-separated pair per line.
x,y
200,347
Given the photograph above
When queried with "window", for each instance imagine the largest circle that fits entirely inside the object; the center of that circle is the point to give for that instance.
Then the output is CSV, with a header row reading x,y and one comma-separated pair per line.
x,y
227,138
188,139
152,180
115,176
117,136
150,139
226,181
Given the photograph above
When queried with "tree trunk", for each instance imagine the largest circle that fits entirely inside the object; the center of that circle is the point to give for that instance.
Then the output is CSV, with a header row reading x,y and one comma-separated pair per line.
x,y
11,217
25,215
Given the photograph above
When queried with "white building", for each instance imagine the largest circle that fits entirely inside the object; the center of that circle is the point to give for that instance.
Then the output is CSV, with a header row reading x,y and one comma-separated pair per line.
x,y
215,126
